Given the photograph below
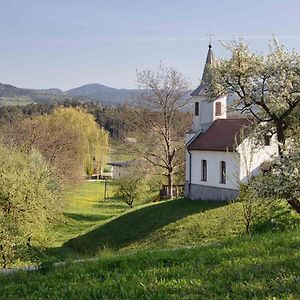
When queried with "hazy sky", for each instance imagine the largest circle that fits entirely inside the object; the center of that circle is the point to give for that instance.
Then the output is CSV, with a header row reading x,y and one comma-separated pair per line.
x,y
67,43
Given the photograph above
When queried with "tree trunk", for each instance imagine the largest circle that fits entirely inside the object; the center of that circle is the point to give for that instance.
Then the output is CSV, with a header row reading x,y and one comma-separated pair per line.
x,y
295,204
170,185
280,136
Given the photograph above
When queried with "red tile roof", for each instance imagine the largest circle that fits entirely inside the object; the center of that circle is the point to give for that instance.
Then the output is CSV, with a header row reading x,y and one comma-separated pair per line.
x,y
222,135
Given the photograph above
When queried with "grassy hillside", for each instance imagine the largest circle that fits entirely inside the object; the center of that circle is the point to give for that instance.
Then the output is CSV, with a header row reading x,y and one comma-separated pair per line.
x,y
169,250
86,208
93,226
166,224
261,267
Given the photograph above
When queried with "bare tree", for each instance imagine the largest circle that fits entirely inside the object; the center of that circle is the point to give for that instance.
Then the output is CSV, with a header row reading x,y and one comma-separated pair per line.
x,y
161,122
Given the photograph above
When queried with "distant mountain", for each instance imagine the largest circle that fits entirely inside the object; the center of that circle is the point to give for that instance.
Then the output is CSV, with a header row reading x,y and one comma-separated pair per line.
x,y
50,91
11,95
104,93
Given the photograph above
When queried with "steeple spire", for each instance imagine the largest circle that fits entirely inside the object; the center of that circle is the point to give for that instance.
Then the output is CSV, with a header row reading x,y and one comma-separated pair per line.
x,y
206,73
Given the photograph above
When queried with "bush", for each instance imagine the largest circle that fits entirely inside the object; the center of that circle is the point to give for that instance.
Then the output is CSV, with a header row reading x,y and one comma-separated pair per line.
x,y
255,202
131,187
29,201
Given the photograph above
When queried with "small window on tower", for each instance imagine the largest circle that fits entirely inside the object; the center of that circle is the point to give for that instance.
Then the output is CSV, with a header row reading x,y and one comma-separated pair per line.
x,y
196,108
218,107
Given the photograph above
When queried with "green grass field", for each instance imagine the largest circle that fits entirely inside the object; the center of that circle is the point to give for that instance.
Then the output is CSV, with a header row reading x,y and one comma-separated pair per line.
x,y
168,250
92,225
261,267
86,208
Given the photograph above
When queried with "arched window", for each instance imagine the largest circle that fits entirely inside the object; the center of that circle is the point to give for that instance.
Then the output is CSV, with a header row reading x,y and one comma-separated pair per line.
x,y
203,170
218,109
223,172
196,108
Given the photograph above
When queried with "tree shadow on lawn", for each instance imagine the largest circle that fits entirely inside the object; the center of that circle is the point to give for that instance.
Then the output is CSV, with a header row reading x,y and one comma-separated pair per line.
x,y
86,217
136,225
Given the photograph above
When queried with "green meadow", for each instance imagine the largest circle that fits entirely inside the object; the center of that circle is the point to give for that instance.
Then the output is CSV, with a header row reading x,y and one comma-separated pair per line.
x,y
167,250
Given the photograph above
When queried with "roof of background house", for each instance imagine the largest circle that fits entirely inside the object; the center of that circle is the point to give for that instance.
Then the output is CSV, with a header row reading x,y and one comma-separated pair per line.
x,y
128,163
120,163
222,135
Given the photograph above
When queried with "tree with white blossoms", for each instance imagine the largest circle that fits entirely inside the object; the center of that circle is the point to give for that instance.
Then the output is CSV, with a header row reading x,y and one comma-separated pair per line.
x,y
284,180
266,87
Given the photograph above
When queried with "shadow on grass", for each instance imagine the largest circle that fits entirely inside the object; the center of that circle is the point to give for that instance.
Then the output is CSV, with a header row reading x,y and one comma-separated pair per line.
x,y
110,204
135,225
85,217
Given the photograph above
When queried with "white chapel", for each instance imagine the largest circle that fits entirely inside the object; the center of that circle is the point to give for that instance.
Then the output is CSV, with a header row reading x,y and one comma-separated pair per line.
x,y
218,157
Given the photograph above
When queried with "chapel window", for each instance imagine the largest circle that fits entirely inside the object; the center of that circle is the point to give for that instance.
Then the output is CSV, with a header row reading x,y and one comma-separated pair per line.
x,y
223,172
204,170
196,108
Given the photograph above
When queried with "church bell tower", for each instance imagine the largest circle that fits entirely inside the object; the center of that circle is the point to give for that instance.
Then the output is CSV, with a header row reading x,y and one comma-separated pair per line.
x,y
203,110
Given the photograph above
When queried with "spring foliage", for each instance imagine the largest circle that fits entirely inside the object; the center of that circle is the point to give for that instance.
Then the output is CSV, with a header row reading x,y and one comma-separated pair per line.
x,y
69,139
30,200
267,87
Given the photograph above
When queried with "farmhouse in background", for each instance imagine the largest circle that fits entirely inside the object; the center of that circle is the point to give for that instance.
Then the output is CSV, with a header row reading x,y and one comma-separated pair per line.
x,y
119,168
219,155
123,168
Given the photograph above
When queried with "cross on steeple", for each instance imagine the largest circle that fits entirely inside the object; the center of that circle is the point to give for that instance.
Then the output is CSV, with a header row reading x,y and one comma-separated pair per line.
x,y
210,35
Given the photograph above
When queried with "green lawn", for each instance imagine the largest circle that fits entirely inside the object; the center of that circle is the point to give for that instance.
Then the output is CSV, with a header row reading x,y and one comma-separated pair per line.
x,y
161,225
264,266
168,250
86,208
93,225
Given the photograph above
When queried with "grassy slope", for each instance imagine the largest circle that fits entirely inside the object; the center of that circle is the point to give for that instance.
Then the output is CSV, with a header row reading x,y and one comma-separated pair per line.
x,y
262,267
93,225
222,264
86,209
168,224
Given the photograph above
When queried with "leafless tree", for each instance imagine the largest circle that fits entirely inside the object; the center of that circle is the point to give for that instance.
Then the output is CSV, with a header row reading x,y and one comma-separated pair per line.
x,y
161,120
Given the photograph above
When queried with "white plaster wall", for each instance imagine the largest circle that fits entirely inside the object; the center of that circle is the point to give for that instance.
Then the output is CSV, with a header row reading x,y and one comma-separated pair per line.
x,y
213,168
119,172
206,110
196,119
188,138
187,166
252,156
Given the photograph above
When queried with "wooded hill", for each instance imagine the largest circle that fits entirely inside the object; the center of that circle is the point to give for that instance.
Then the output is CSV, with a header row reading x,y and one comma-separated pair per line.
x,y
11,95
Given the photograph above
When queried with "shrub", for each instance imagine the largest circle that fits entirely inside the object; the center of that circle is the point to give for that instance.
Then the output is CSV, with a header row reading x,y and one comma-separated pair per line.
x,y
29,201
131,187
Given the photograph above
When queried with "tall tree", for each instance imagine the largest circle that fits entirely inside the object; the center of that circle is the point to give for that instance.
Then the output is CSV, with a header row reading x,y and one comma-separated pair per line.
x,y
160,122
68,138
267,87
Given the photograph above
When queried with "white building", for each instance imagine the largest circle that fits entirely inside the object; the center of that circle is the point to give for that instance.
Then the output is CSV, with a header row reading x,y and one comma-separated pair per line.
x,y
218,155
120,169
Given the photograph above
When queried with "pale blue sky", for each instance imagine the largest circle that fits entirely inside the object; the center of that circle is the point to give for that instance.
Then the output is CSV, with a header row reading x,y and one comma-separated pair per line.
x,y
67,43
